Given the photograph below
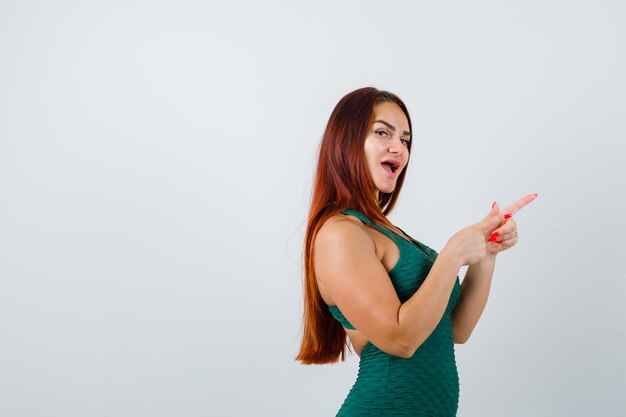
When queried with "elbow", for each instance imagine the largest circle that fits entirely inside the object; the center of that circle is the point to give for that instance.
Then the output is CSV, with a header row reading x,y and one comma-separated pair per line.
x,y
406,353
408,349
409,353
404,345
400,348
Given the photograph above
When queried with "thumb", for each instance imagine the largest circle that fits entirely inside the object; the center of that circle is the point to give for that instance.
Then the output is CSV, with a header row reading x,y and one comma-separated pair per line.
x,y
492,220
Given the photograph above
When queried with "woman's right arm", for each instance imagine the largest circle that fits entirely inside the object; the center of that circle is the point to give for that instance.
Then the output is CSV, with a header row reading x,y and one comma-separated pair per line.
x,y
347,266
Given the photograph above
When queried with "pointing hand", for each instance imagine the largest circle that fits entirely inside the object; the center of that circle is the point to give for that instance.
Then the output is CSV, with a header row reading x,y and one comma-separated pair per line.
x,y
505,236
493,234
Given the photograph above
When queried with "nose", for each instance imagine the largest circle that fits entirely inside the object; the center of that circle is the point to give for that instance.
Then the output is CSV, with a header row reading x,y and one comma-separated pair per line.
x,y
396,147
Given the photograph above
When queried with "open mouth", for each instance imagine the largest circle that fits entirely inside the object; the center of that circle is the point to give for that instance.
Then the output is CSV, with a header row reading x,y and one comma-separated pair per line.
x,y
390,166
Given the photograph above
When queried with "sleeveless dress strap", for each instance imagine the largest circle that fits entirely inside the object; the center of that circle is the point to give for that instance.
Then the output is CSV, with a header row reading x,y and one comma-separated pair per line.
x,y
382,229
334,310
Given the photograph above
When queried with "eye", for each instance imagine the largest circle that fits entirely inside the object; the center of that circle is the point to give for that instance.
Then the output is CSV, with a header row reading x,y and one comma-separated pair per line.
x,y
405,141
379,132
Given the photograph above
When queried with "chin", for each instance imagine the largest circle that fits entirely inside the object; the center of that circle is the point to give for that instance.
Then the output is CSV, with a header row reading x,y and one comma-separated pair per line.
x,y
386,190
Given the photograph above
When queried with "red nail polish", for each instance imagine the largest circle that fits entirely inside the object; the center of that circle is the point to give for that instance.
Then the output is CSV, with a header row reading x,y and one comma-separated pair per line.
x,y
494,203
491,239
508,216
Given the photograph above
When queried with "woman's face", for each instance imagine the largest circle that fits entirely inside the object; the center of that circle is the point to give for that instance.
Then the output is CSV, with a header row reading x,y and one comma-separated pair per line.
x,y
386,146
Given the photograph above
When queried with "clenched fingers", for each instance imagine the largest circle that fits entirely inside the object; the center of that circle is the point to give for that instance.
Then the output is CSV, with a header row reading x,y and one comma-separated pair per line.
x,y
507,236
507,231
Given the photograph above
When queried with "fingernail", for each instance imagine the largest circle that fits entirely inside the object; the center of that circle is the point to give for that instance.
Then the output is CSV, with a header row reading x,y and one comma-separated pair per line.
x,y
493,205
493,236
535,194
508,216
491,239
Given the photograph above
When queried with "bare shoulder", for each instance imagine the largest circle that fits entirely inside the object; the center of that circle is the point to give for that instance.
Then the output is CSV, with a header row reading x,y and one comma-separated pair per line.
x,y
342,230
343,247
351,276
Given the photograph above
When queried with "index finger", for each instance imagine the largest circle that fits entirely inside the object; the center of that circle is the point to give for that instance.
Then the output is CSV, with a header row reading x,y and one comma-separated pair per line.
x,y
519,204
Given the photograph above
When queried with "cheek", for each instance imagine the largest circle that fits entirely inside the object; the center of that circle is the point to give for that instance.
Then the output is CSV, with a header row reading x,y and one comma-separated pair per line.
x,y
370,155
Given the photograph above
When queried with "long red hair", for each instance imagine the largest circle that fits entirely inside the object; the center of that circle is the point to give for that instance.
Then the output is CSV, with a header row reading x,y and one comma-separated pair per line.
x,y
342,181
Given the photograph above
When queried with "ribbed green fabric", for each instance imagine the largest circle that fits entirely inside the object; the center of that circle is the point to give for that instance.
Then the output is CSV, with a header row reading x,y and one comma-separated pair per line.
x,y
427,384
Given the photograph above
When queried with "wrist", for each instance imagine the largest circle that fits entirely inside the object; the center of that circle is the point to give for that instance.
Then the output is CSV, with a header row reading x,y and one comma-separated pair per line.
x,y
451,257
489,259
488,262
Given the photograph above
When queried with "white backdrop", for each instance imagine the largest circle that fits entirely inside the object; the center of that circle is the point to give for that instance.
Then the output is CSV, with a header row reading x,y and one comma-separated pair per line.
x,y
156,161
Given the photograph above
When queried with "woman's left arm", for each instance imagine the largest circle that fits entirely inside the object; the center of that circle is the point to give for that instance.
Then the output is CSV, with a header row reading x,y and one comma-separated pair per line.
x,y
474,293
477,282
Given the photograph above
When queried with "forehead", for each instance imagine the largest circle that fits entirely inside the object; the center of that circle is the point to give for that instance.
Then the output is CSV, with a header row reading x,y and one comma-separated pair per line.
x,y
391,113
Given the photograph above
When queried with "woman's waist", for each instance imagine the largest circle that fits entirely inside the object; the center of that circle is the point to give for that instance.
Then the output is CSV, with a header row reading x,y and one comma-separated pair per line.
x,y
435,351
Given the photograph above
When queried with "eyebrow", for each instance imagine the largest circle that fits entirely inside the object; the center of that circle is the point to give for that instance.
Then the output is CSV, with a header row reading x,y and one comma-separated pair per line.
x,y
392,127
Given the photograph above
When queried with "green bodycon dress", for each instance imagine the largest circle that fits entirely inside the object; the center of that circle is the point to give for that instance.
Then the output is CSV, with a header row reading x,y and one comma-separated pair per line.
x,y
427,384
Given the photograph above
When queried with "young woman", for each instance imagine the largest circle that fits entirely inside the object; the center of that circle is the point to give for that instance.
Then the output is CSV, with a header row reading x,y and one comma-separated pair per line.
x,y
400,302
